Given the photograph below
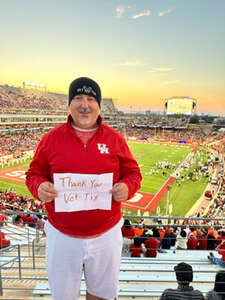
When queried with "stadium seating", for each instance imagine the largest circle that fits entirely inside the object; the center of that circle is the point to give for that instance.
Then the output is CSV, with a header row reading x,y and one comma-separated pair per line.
x,y
19,235
150,276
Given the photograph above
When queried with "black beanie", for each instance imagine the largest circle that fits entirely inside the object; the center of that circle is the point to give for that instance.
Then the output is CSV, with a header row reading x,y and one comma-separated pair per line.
x,y
87,86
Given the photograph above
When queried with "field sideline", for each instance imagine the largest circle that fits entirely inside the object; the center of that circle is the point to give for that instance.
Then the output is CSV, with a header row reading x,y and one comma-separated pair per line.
x,y
182,197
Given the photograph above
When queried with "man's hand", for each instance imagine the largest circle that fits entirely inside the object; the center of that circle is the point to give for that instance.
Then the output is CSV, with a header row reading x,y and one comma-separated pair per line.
x,y
46,191
120,191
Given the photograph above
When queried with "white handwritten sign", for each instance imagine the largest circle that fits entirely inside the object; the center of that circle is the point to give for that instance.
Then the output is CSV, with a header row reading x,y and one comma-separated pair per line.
x,y
83,191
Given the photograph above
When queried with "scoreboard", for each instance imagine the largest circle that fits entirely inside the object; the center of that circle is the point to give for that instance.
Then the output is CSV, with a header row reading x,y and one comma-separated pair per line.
x,y
180,105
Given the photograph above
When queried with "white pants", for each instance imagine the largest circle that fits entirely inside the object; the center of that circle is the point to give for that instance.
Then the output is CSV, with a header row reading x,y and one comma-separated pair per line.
x,y
99,257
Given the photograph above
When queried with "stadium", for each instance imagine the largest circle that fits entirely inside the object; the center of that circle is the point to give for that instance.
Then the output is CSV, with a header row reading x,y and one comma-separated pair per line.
x,y
182,164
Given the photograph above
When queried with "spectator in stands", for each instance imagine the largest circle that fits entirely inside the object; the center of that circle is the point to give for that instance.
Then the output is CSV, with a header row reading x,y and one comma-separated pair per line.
x,y
166,241
136,247
128,230
184,275
31,221
202,239
18,221
151,245
138,230
218,293
3,219
173,237
182,240
40,222
221,236
3,241
211,240
221,250
192,242
144,235
84,238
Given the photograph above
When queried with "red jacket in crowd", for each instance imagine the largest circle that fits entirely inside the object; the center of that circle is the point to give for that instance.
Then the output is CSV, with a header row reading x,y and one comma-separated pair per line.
x,y
151,245
3,241
135,250
128,232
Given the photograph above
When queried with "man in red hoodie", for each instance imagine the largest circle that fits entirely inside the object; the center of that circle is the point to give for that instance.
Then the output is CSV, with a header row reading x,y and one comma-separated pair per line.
x,y
79,238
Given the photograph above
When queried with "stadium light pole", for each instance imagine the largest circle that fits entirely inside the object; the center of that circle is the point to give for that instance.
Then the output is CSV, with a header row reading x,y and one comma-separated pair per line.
x,y
168,198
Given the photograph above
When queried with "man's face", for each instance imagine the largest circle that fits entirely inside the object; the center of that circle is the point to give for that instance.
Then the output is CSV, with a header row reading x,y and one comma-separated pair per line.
x,y
84,110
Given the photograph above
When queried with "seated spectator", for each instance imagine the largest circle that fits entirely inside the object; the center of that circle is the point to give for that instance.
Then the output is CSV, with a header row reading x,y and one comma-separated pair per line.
x,y
184,275
2,207
151,245
192,232
24,217
128,230
202,239
138,230
3,219
40,222
3,241
144,236
192,242
221,250
31,221
211,241
218,293
18,221
166,241
182,240
173,237
136,247
221,236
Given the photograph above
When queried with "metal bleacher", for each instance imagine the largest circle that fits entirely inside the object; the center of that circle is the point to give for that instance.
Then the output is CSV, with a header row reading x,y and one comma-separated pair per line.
x,y
20,235
149,277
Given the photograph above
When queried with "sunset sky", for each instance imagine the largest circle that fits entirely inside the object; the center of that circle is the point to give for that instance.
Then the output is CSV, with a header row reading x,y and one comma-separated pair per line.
x,y
139,51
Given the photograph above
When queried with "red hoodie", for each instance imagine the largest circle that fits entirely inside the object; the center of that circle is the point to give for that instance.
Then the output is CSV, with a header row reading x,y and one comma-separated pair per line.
x,y
62,151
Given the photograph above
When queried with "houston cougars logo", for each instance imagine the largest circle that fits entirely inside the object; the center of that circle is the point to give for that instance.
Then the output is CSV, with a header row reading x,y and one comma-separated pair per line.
x,y
102,148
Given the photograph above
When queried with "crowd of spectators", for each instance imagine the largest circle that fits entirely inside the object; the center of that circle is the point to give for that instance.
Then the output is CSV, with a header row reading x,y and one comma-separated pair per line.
x,y
15,99
16,144
217,208
25,212
147,240
10,200
199,136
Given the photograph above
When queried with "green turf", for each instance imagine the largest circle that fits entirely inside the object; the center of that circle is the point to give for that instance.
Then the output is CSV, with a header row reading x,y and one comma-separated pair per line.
x,y
183,198
20,188
148,155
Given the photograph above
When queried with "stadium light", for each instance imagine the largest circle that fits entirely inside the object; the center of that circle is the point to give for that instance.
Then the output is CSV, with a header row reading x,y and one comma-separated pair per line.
x,y
28,83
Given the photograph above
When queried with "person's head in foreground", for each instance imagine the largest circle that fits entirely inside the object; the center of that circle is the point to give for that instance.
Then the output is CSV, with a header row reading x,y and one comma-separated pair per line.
x,y
219,286
184,273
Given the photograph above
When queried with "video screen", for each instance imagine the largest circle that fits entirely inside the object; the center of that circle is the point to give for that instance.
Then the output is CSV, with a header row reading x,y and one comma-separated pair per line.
x,y
179,106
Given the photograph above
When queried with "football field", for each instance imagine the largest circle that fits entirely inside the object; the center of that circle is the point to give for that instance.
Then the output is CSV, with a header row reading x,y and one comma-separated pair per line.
x,y
152,159
183,195
148,155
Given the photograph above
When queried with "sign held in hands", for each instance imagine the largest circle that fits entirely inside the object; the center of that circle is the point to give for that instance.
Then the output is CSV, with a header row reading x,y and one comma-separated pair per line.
x,y
78,192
